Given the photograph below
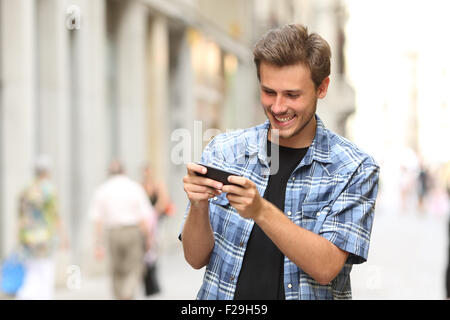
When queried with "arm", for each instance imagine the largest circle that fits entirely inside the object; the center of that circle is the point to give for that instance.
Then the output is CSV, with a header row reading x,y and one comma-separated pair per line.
x,y
96,214
98,238
163,198
197,234
149,218
314,254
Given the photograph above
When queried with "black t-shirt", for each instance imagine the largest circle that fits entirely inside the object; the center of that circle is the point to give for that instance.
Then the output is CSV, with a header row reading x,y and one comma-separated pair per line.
x,y
262,272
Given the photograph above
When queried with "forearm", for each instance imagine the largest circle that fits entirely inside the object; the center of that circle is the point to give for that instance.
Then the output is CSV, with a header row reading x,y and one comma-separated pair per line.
x,y
197,236
314,254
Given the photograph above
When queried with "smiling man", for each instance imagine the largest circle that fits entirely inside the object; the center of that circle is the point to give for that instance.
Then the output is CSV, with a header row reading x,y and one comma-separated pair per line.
x,y
294,233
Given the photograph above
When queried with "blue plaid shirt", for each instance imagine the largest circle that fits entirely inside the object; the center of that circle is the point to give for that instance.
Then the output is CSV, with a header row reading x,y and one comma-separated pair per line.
x,y
331,193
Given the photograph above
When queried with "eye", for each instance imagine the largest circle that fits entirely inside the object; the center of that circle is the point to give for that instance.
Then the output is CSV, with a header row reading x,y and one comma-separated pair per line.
x,y
293,95
269,92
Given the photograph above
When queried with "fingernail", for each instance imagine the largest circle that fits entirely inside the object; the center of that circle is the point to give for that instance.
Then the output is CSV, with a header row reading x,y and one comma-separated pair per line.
x,y
219,185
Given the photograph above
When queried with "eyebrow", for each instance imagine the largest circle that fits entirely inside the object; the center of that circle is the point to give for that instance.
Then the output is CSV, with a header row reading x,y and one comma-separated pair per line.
x,y
294,91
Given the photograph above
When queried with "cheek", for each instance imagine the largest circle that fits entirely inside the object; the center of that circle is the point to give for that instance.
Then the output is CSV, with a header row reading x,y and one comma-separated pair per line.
x,y
266,101
301,105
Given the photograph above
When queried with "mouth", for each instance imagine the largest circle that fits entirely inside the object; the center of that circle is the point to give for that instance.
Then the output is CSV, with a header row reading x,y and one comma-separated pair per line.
x,y
284,121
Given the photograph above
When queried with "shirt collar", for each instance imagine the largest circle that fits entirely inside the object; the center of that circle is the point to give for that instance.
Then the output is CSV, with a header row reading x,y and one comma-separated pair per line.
x,y
319,149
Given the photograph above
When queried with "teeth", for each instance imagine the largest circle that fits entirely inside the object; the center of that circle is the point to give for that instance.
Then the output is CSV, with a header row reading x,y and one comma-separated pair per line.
x,y
284,119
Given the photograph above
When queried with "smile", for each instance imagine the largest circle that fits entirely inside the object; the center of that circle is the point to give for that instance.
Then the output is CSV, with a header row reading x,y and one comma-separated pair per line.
x,y
284,120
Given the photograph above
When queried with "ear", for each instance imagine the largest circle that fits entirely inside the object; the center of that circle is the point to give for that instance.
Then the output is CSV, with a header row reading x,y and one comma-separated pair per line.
x,y
323,88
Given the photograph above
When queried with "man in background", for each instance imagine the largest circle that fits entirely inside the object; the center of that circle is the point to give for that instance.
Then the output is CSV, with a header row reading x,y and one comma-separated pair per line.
x,y
121,208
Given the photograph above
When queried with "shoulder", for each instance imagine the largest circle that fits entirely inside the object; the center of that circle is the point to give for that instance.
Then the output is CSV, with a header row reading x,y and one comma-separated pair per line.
x,y
240,140
347,156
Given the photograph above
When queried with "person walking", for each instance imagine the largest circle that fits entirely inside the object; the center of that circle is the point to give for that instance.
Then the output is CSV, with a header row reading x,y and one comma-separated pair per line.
x,y
40,233
121,208
159,197
298,213
445,176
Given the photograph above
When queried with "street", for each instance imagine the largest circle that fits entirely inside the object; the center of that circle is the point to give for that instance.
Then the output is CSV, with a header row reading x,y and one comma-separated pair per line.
x,y
407,260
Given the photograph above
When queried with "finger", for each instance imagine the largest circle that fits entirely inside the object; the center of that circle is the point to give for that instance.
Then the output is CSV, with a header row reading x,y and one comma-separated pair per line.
x,y
232,189
235,199
202,189
202,181
194,196
195,167
240,181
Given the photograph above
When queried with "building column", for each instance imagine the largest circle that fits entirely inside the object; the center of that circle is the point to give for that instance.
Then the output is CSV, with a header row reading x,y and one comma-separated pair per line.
x,y
158,80
180,124
53,99
339,104
17,110
89,141
131,79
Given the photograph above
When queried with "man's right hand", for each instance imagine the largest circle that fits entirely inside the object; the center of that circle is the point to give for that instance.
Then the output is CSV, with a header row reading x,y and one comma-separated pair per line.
x,y
200,189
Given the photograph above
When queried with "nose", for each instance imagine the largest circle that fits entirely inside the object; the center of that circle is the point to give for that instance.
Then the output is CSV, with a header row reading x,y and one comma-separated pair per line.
x,y
279,107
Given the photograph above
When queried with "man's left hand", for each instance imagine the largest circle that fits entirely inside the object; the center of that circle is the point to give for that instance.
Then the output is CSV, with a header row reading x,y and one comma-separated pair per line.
x,y
244,196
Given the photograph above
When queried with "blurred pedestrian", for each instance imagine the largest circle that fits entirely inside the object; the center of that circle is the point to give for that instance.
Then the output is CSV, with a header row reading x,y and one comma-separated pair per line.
x,y
159,197
409,167
157,193
446,184
40,232
423,185
121,208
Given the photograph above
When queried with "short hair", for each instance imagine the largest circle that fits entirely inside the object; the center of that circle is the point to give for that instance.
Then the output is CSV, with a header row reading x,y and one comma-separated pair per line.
x,y
42,164
291,44
116,167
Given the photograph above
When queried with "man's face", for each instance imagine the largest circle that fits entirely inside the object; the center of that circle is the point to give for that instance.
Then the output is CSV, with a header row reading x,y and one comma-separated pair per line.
x,y
289,99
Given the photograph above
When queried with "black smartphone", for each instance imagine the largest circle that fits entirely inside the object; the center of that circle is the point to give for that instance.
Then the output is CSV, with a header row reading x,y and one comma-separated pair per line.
x,y
216,174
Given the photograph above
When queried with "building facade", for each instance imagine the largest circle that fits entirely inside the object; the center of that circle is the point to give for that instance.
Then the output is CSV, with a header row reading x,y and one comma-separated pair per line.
x,y
140,80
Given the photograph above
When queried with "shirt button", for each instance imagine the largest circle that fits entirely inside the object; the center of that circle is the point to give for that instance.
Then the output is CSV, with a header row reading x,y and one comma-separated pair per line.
x,y
290,286
232,278
318,213
215,198
289,213
293,178
241,244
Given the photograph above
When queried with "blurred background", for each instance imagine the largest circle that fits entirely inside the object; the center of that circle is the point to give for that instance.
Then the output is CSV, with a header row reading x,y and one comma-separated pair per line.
x,y
86,81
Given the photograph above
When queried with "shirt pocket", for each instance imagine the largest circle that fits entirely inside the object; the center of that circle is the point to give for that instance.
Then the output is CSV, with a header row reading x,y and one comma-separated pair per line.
x,y
313,215
224,218
221,201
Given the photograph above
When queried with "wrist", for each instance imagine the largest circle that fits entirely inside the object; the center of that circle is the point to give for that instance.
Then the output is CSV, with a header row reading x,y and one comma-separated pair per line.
x,y
200,205
262,213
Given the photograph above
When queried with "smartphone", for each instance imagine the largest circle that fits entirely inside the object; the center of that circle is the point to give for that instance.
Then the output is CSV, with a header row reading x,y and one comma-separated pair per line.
x,y
216,174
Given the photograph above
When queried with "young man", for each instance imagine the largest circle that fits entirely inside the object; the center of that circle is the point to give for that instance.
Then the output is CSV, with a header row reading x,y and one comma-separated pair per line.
x,y
295,233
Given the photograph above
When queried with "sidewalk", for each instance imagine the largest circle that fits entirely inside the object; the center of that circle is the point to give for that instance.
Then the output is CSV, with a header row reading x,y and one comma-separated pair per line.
x,y
407,260
178,281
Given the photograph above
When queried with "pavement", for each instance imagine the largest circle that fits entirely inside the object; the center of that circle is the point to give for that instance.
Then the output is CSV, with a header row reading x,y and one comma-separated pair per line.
x,y
178,281
407,260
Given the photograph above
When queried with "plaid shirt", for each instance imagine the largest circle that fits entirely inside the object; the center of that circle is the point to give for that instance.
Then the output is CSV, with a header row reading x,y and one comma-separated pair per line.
x,y
331,193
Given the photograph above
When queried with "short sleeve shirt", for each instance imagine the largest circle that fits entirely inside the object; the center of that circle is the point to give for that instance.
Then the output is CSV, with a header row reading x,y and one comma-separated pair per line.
x,y
331,192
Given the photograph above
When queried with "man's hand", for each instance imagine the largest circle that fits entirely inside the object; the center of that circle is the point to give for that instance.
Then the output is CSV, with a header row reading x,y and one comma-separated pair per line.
x,y
244,196
200,189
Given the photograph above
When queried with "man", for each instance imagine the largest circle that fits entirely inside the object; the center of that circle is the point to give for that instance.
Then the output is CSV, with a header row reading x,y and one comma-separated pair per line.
x,y
120,205
295,233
